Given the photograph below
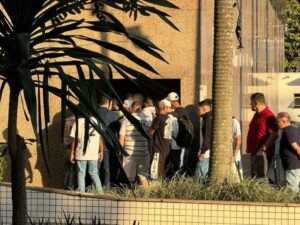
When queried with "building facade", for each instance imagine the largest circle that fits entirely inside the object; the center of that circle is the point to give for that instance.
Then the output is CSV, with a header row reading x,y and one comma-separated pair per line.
x,y
189,72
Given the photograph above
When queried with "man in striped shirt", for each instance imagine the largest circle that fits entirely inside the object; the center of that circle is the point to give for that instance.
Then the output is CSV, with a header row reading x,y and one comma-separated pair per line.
x,y
137,164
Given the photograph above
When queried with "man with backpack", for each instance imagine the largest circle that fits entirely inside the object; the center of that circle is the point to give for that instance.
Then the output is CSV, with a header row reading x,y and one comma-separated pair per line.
x,y
182,136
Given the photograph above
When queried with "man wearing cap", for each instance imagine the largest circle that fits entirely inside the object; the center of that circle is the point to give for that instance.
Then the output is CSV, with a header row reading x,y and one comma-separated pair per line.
x,y
178,155
204,111
174,99
161,132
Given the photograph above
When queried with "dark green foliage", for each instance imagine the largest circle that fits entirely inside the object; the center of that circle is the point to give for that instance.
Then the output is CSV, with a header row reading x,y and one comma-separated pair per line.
x,y
3,165
67,220
188,188
292,36
27,65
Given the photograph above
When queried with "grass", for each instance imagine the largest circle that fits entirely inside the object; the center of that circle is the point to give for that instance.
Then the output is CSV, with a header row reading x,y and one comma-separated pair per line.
x,y
249,190
67,220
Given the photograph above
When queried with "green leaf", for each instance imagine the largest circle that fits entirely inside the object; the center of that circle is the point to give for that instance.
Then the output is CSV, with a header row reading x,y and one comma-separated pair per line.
x,y
121,51
63,99
40,132
57,31
29,94
164,18
54,10
46,95
2,88
4,151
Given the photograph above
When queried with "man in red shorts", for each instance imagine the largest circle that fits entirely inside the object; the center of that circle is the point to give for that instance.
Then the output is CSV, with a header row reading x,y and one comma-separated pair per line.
x,y
262,130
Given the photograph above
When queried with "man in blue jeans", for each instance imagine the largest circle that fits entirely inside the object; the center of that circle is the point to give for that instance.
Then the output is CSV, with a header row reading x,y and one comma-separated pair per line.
x,y
204,111
86,160
290,151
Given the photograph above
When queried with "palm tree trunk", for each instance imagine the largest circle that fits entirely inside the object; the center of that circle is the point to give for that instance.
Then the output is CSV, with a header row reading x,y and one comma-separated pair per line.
x,y
221,152
16,149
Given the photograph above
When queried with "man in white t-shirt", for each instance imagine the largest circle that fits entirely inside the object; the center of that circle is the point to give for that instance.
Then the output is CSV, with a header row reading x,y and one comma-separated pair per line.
x,y
87,159
137,164
236,145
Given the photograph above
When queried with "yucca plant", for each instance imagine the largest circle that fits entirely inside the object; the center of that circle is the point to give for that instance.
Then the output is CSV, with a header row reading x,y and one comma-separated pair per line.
x,y
248,190
38,41
68,220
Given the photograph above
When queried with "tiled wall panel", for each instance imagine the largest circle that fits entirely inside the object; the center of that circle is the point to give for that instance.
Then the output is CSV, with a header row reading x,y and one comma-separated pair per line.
x,y
50,205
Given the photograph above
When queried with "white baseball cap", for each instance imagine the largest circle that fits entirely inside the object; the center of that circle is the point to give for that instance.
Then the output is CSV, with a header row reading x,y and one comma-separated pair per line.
x,y
167,103
172,96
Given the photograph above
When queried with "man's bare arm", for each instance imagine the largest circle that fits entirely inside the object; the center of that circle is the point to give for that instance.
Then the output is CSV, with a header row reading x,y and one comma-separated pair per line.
x,y
270,142
72,155
296,148
151,131
121,139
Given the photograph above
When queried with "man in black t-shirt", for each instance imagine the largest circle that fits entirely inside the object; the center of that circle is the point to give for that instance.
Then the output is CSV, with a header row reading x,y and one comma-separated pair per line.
x,y
161,131
290,151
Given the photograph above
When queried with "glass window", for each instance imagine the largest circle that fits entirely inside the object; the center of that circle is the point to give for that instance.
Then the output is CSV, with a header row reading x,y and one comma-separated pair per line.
x,y
297,100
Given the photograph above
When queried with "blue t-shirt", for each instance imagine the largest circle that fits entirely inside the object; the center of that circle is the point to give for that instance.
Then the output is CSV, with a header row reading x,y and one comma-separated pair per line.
x,y
110,120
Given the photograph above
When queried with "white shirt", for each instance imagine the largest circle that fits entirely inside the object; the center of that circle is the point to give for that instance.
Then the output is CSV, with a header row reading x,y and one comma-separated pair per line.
x,y
92,149
175,129
236,131
149,113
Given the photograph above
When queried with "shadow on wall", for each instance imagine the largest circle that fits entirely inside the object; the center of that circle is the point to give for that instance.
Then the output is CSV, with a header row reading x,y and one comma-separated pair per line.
x,y
53,155
28,167
195,119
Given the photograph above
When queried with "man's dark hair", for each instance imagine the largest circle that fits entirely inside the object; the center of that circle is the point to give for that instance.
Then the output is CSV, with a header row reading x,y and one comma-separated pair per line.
x,y
258,97
205,102
104,100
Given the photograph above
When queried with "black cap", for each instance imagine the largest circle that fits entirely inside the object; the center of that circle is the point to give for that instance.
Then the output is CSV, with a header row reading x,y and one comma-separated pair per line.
x,y
207,101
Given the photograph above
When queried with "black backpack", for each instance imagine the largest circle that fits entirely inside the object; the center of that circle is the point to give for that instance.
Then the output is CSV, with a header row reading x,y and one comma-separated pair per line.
x,y
185,132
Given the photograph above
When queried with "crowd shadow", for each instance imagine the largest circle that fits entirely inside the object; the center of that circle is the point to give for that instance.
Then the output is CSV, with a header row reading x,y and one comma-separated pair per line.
x,y
50,159
27,154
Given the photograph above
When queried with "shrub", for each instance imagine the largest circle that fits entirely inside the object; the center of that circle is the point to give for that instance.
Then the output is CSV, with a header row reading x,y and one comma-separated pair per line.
x,y
2,167
248,190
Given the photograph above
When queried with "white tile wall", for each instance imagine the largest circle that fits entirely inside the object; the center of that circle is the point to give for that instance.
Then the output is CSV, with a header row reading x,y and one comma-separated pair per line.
x,y
51,205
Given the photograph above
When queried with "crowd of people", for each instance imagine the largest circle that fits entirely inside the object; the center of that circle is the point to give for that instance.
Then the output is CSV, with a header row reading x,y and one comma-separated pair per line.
x,y
158,142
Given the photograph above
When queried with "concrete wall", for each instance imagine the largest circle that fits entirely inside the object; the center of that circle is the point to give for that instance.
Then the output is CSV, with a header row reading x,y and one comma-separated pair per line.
x,y
288,85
